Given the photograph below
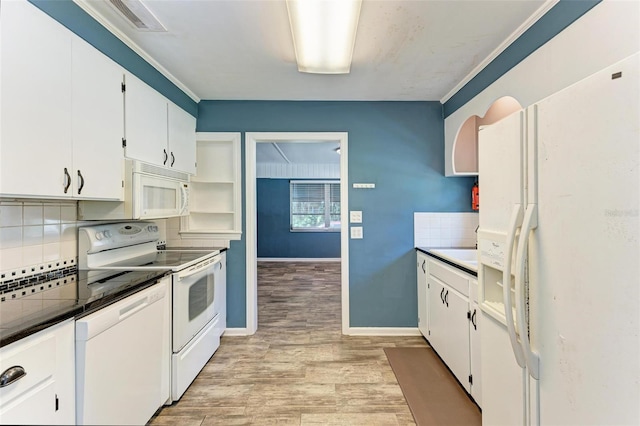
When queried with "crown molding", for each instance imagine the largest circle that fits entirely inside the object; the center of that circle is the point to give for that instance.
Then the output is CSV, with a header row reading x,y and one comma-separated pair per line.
x,y
542,10
86,6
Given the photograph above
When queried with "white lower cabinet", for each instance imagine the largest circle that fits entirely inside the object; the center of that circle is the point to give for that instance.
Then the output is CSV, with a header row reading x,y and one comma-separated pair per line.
x,y
423,295
449,328
474,350
449,318
40,370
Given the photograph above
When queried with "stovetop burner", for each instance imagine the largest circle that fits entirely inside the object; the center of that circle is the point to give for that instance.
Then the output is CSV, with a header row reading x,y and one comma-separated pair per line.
x,y
116,246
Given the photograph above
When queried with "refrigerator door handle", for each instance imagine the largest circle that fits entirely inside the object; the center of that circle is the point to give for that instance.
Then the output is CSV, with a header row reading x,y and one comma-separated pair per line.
x,y
529,224
516,219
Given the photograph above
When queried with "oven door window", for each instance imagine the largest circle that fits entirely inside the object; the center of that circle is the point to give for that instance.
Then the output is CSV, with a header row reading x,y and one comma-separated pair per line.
x,y
200,296
193,304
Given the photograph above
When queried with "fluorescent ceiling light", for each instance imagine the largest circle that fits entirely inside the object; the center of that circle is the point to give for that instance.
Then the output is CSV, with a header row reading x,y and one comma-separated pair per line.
x,y
324,33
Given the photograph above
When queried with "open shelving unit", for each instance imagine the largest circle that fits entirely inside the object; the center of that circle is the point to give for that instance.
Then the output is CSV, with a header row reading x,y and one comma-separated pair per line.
x,y
215,205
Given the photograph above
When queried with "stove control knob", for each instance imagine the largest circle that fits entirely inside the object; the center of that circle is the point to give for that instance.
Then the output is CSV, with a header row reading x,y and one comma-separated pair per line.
x,y
107,234
99,236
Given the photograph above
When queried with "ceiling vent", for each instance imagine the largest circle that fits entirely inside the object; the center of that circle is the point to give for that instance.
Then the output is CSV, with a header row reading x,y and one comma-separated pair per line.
x,y
137,14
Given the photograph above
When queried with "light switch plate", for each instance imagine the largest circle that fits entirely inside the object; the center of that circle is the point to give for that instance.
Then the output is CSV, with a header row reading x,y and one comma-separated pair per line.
x,y
356,232
355,216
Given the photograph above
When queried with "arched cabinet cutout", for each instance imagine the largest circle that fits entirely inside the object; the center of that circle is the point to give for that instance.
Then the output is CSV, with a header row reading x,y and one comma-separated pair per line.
x,y
464,158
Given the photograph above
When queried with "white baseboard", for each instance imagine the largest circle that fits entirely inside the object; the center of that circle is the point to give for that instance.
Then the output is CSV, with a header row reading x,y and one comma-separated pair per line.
x,y
236,332
298,259
351,331
383,331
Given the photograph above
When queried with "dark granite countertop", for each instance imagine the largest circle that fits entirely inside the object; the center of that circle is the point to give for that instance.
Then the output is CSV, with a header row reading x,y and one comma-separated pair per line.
x,y
34,308
429,252
38,302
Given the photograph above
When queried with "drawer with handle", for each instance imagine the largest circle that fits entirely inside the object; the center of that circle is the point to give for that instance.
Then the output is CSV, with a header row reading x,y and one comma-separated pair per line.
x,y
447,275
27,370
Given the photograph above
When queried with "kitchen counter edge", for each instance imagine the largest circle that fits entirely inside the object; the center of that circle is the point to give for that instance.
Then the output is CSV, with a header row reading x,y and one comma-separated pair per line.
x,y
427,251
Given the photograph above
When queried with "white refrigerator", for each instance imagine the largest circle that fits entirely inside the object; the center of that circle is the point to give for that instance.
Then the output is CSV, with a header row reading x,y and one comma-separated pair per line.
x,y
559,256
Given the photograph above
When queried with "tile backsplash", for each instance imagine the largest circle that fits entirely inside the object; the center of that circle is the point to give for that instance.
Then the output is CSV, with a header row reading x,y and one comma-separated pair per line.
x,y
444,229
37,236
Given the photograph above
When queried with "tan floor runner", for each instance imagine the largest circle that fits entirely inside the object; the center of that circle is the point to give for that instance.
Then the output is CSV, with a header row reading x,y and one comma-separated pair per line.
x,y
433,394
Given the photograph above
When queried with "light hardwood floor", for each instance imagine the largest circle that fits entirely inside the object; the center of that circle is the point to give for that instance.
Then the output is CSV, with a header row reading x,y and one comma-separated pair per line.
x,y
298,369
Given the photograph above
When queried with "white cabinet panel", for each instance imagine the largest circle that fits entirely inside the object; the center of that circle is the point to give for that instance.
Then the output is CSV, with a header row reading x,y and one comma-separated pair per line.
x,y
46,393
474,350
423,294
182,139
158,131
449,328
145,122
98,124
35,139
62,111
453,329
437,318
458,335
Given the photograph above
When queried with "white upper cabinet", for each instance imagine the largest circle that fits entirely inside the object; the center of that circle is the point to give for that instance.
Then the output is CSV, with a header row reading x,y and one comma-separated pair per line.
x,y
182,139
62,112
158,131
98,124
35,141
146,122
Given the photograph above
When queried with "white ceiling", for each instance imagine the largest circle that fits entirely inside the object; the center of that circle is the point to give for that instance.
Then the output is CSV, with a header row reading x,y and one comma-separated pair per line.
x,y
298,153
242,49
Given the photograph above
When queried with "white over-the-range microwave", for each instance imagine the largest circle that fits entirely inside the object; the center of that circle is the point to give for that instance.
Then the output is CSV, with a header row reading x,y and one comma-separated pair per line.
x,y
150,192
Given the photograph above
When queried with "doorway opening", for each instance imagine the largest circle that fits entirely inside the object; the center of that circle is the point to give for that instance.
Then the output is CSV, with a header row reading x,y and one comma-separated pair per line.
x,y
251,144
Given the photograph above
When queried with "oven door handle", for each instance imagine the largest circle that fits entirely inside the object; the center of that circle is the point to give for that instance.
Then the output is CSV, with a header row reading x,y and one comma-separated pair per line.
x,y
197,269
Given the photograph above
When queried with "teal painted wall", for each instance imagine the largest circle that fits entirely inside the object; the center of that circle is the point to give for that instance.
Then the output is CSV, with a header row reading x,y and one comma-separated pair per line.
x,y
396,145
77,20
275,238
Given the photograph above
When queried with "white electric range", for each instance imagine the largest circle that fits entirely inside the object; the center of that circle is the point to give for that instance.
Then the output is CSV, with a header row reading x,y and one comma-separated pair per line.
x,y
198,288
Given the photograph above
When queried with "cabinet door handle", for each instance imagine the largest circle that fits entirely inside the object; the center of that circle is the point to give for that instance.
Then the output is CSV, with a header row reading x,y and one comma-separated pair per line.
x,y
67,179
166,157
473,319
173,159
441,296
81,182
423,269
446,298
12,374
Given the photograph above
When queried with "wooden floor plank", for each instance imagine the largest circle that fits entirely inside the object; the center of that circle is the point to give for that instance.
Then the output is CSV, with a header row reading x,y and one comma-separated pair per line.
x,y
298,368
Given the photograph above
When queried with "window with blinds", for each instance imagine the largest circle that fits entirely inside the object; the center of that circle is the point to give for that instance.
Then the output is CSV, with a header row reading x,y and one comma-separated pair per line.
x,y
315,205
